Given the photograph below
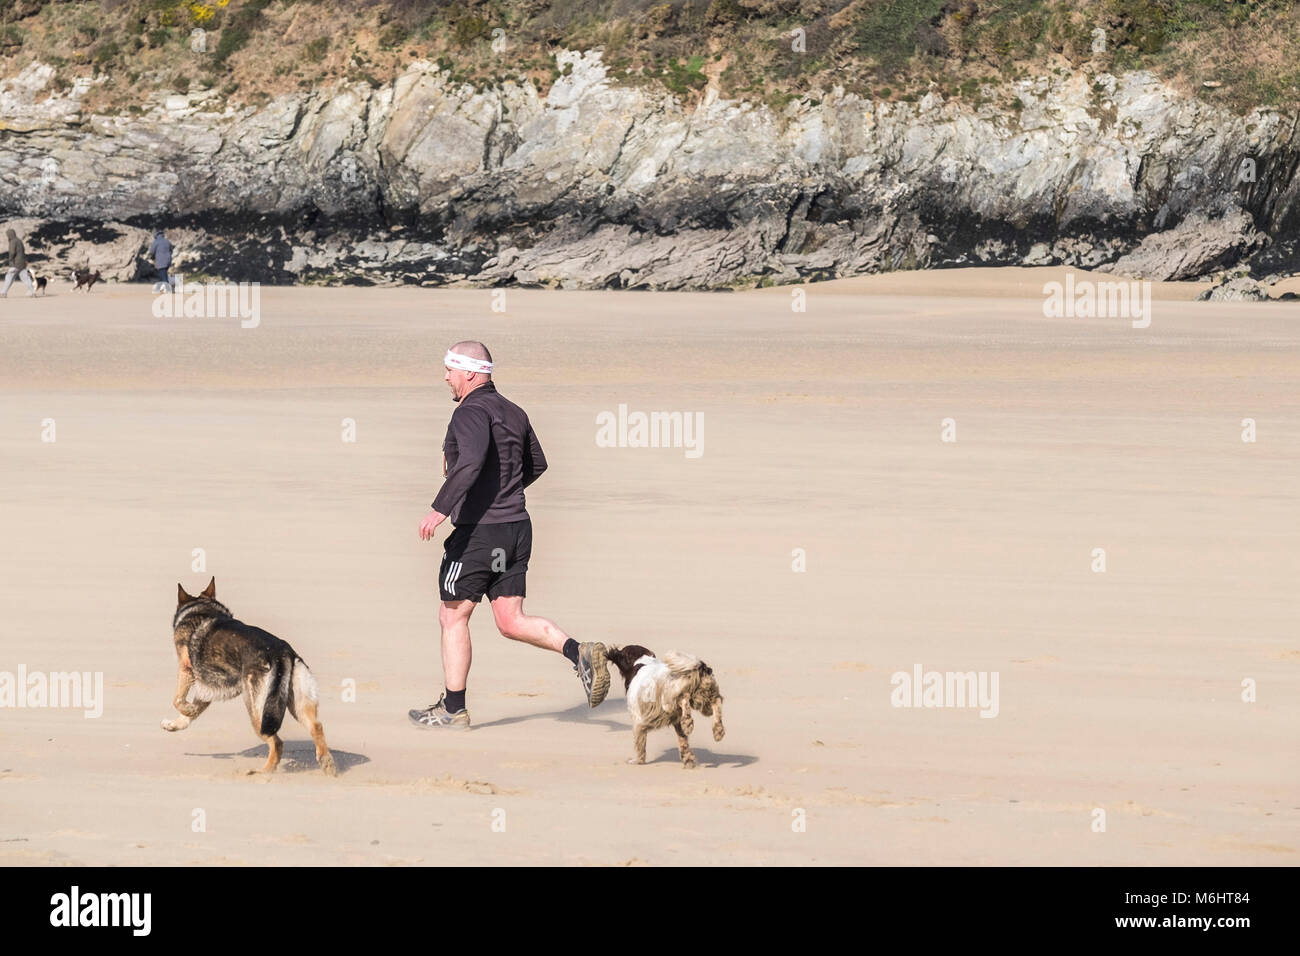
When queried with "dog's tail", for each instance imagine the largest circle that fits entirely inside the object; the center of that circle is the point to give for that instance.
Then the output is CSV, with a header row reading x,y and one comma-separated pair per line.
x,y
302,687
279,689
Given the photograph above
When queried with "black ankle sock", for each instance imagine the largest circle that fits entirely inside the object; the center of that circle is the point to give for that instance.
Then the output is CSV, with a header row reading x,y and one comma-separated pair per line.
x,y
455,701
570,650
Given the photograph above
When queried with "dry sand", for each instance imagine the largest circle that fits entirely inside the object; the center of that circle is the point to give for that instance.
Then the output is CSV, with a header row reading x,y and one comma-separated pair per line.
x,y
1119,690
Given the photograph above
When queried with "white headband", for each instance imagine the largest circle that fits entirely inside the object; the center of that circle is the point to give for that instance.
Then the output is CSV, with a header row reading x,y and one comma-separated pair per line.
x,y
465,363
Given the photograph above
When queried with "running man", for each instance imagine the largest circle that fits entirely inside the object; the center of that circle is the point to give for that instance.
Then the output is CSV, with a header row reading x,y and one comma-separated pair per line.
x,y
490,456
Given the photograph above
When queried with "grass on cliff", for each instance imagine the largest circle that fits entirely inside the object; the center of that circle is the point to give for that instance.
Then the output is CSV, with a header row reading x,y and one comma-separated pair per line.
x,y
771,51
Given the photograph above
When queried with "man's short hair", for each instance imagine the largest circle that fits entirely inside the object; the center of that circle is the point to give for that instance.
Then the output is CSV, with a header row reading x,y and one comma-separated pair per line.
x,y
476,350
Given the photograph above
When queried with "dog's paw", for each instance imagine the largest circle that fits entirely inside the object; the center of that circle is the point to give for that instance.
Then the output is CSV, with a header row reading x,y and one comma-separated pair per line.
x,y
688,763
327,765
635,761
719,732
174,725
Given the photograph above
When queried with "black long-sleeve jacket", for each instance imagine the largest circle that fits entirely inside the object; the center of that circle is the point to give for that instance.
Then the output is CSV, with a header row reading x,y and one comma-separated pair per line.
x,y
492,455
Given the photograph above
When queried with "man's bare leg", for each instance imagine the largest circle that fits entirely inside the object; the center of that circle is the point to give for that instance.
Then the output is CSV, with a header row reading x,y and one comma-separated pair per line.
x,y
587,659
450,709
513,623
453,618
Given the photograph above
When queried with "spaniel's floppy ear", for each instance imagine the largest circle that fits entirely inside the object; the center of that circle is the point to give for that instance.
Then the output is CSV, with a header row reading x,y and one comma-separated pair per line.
x,y
705,670
211,590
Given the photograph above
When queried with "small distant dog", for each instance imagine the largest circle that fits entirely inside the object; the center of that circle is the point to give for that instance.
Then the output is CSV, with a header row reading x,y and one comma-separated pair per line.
x,y
40,283
221,658
662,692
87,278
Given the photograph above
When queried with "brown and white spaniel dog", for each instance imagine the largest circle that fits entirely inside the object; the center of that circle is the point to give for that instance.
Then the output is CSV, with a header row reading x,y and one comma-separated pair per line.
x,y
663,692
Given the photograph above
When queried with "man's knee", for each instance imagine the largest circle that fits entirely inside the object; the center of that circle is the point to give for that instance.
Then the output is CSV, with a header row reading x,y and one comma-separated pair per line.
x,y
450,615
509,618
508,624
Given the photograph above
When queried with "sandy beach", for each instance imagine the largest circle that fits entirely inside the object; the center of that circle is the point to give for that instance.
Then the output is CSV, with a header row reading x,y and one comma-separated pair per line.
x,y
822,445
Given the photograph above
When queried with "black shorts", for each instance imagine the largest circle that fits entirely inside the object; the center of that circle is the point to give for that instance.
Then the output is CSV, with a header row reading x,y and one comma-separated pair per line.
x,y
486,558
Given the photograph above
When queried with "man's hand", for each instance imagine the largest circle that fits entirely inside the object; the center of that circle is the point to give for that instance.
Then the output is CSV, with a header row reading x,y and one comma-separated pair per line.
x,y
430,524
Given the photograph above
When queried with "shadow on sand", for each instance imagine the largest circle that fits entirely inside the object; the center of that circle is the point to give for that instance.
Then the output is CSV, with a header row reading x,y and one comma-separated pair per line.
x,y
705,758
299,756
581,714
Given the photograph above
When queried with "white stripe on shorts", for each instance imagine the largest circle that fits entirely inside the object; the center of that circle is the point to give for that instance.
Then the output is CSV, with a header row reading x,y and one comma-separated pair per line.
x,y
453,573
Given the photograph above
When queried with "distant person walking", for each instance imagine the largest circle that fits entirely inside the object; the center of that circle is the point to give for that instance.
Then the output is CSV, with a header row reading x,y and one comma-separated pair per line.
x,y
490,456
160,250
17,266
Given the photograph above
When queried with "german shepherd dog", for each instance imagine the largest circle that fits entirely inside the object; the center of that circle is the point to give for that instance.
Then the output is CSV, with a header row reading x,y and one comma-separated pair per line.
x,y
221,658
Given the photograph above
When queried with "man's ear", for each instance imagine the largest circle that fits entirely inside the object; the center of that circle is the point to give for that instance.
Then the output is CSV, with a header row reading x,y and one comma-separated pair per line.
x,y
211,590
181,596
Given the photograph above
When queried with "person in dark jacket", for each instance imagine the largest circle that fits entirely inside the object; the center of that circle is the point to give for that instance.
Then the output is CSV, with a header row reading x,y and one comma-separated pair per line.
x,y
160,250
17,266
491,454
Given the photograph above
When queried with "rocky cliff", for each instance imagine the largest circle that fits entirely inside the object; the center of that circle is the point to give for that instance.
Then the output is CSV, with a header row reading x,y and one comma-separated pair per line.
x,y
607,185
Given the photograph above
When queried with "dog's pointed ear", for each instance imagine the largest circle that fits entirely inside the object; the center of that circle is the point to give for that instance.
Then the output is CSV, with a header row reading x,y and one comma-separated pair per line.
x,y
181,596
211,590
